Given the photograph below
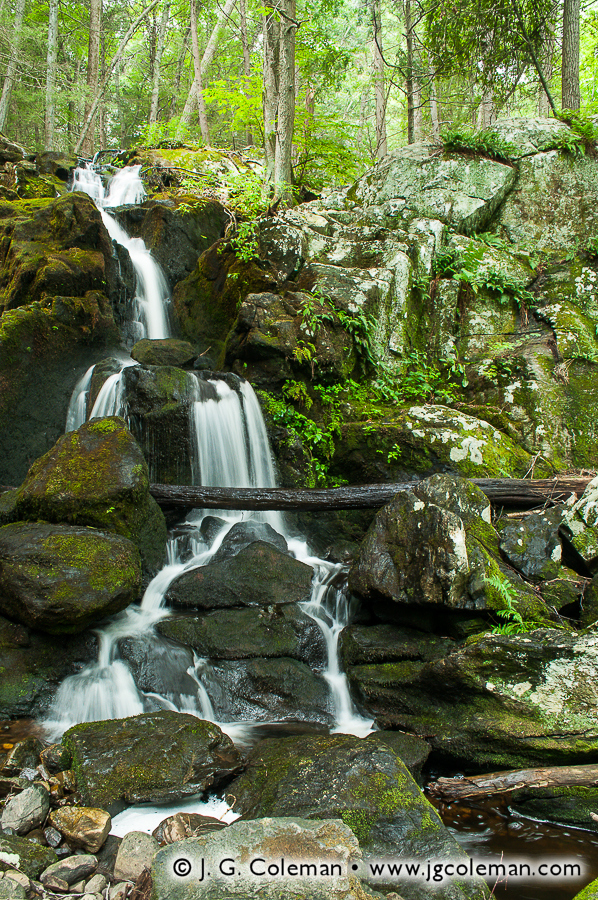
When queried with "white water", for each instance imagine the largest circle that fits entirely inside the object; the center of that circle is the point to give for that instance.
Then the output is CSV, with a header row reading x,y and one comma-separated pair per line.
x,y
152,296
230,449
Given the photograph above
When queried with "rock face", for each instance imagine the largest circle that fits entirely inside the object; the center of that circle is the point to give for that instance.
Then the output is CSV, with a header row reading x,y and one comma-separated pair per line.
x,y
97,476
115,760
61,579
259,575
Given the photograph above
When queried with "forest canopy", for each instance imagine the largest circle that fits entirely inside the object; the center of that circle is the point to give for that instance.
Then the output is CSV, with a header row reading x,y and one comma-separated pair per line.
x,y
324,86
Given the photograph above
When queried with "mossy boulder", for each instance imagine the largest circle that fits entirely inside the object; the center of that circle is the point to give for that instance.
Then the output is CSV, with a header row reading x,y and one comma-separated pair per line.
x,y
245,633
28,857
528,136
166,352
361,782
59,579
156,757
33,665
499,702
571,806
580,526
97,476
259,575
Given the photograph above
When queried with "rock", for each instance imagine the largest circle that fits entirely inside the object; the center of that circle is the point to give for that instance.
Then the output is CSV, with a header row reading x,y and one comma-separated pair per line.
x,y
165,352
8,500
193,756
70,870
119,891
11,889
97,476
292,839
265,690
28,856
528,136
245,633
134,855
580,526
568,806
361,782
160,666
244,533
52,162
359,644
185,825
24,755
60,579
533,545
53,837
34,665
56,758
415,182
411,749
96,885
590,892
27,810
82,826
589,603
259,575
500,702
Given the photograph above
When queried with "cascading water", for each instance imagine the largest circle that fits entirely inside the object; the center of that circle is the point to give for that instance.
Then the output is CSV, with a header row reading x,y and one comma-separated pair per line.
x,y
230,449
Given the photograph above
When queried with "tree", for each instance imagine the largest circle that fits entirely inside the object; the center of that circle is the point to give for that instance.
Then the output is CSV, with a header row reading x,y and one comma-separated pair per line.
x,y
378,73
570,97
50,121
157,60
203,118
93,69
12,64
279,27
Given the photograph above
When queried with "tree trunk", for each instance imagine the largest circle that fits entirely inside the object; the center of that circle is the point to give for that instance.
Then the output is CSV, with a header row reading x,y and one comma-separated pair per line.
x,y
50,120
409,74
115,62
179,72
12,64
153,116
93,70
203,119
271,28
547,65
479,786
285,119
500,491
378,73
571,98
246,54
434,110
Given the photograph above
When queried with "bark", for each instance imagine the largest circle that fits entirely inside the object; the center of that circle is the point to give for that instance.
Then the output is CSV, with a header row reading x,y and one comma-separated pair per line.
x,y
179,71
153,116
486,110
203,118
434,109
571,98
547,65
50,120
409,74
206,61
378,73
93,70
246,53
479,786
500,491
285,119
12,63
116,60
271,46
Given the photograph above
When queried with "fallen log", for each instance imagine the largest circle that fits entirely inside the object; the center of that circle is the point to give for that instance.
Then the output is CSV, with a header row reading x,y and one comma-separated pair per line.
x,y
476,787
507,492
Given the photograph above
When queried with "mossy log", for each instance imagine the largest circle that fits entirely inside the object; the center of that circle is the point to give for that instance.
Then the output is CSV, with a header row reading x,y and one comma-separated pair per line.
x,y
514,493
480,786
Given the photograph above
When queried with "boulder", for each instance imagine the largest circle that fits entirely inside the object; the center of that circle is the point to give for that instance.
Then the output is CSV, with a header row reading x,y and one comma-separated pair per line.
x,y
365,644
24,755
500,702
71,870
266,690
11,889
533,545
27,810
185,825
160,666
245,850
115,760
259,575
82,826
244,533
34,664
27,856
60,579
134,855
570,806
527,136
580,526
97,476
166,352
245,633
361,782
411,749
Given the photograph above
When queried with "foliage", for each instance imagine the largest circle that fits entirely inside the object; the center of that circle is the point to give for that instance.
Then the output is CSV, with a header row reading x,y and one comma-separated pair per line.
x,y
245,241
421,377
513,622
467,267
482,143
317,310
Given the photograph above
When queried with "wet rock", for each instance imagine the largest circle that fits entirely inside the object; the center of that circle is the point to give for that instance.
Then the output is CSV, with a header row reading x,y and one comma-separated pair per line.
x,y
244,533
56,758
295,840
52,162
160,666
185,825
193,756
60,579
259,575
362,782
502,701
411,749
97,476
244,633
359,644
569,806
134,855
70,870
25,754
166,352
533,545
28,856
265,690
27,810
82,826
